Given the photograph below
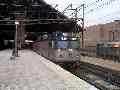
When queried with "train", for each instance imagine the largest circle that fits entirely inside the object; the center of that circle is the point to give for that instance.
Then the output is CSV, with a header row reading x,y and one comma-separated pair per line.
x,y
58,48
109,50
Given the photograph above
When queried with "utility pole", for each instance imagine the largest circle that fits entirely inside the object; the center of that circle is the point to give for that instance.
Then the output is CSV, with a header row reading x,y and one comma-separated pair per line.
x,y
83,24
76,14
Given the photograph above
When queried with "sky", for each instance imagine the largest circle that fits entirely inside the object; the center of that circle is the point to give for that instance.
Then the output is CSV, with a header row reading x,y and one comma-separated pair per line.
x,y
106,13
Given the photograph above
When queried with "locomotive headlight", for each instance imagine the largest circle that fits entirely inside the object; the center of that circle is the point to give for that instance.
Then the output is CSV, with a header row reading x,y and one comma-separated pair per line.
x,y
59,50
77,56
70,50
63,38
73,38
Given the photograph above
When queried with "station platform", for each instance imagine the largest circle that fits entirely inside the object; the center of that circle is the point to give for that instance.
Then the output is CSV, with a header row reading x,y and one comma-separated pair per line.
x,y
115,66
31,71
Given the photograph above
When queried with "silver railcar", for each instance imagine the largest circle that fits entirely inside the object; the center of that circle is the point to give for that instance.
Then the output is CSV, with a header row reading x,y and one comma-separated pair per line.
x,y
66,50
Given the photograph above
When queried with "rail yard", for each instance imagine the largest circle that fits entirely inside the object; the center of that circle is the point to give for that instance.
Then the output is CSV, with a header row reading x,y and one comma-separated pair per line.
x,y
44,48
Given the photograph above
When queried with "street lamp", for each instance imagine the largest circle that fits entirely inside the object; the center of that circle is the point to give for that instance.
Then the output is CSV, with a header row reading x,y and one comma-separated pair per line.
x,y
15,50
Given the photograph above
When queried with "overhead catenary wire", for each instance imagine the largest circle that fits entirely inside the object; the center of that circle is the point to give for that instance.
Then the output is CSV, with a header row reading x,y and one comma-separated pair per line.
x,y
98,5
112,14
95,5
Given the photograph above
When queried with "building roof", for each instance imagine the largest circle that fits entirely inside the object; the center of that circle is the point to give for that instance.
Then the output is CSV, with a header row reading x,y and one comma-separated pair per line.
x,y
37,16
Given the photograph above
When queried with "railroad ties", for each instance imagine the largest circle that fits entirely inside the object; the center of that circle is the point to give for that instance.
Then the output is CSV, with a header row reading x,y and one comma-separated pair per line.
x,y
103,74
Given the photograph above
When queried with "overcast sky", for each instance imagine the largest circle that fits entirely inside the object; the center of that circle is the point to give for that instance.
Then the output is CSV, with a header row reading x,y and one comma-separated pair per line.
x,y
106,14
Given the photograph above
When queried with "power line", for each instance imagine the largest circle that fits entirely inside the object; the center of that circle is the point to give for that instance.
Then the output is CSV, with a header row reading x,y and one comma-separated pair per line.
x,y
101,5
93,3
98,3
91,7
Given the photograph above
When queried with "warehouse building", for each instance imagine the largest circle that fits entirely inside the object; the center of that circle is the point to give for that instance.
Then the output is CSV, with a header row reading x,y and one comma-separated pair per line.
x,y
102,33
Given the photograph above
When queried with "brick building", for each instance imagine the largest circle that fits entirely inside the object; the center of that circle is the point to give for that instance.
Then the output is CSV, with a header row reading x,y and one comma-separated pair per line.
x,y
102,33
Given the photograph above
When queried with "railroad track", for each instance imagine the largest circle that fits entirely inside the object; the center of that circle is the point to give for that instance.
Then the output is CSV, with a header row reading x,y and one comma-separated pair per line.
x,y
102,78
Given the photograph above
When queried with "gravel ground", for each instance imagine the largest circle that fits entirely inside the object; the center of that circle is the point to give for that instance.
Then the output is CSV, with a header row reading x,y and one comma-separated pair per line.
x,y
30,71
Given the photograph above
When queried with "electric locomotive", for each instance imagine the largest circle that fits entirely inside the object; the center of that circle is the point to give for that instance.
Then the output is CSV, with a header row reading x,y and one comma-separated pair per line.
x,y
58,48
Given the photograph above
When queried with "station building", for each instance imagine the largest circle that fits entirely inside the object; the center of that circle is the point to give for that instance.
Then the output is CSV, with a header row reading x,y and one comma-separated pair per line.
x,y
102,33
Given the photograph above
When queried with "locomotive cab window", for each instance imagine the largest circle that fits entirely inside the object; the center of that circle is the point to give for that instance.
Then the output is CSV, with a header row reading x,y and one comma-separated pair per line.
x,y
66,44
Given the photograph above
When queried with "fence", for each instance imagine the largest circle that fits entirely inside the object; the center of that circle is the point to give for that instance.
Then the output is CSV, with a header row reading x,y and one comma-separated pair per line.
x,y
109,53
88,52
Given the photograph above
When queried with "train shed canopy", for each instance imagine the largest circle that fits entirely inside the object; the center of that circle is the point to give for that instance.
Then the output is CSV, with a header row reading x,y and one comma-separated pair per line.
x,y
35,15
